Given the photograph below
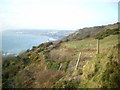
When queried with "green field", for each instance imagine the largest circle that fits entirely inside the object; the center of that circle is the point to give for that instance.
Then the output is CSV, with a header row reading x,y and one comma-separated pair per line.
x,y
90,43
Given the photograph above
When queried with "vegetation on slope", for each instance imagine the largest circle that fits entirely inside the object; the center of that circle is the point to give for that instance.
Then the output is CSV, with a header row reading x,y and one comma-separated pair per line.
x,y
107,32
11,66
31,69
101,72
52,64
90,32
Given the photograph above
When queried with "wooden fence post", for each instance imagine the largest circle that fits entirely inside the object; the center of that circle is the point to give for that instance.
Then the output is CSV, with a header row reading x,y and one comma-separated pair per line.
x,y
60,66
78,61
97,46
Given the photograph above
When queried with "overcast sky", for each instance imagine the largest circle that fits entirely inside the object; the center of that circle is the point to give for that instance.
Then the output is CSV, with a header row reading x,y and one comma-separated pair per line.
x,y
57,14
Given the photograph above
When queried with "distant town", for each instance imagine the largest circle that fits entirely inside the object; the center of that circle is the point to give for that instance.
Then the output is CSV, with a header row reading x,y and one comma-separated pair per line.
x,y
56,34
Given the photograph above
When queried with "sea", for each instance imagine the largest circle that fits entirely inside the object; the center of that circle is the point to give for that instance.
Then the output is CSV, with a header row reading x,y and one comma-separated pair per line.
x,y
15,42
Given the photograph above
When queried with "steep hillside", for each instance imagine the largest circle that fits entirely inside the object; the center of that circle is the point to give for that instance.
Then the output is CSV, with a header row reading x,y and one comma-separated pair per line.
x,y
52,64
89,32
101,72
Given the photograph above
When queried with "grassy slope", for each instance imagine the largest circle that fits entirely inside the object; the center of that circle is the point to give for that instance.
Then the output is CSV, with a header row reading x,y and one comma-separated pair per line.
x,y
90,43
102,71
40,65
70,50
40,73
89,32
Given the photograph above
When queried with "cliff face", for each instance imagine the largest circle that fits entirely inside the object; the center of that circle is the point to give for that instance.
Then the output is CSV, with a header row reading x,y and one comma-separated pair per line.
x,y
52,64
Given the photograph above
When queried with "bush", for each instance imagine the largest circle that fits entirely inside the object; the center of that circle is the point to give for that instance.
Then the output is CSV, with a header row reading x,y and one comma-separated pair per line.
x,y
87,36
53,65
40,50
47,44
11,65
46,57
66,65
67,84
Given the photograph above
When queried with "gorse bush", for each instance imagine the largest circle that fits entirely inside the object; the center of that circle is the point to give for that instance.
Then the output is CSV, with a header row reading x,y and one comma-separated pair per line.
x,y
47,44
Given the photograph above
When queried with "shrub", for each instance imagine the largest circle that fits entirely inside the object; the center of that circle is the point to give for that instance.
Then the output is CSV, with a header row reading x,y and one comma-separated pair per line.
x,y
46,57
40,50
47,44
66,65
28,54
87,36
53,65
67,84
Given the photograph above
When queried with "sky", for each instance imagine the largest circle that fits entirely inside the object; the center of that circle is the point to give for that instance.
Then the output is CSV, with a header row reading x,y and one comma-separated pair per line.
x,y
56,14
